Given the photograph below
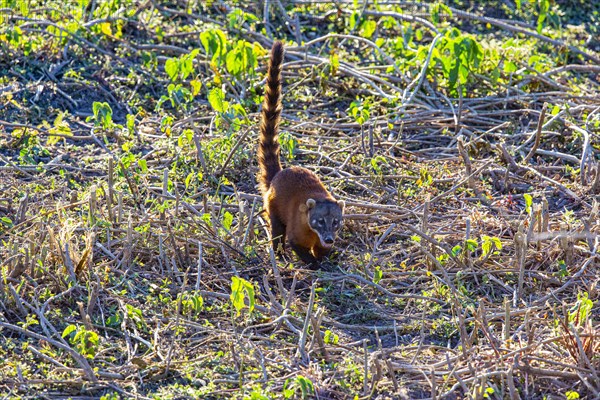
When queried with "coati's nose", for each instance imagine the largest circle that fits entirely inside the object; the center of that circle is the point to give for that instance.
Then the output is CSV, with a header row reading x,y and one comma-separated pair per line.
x,y
329,240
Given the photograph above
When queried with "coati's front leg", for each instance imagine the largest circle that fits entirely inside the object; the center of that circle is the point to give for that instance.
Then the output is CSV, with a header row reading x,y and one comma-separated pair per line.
x,y
320,252
304,254
277,235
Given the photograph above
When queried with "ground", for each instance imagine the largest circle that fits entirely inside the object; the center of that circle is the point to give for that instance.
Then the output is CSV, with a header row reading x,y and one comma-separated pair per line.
x,y
134,256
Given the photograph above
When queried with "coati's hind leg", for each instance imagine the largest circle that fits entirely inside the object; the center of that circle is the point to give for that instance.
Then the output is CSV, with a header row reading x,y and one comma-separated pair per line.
x,y
304,254
277,235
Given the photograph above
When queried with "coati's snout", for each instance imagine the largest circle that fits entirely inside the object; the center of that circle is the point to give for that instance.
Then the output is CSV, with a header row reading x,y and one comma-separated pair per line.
x,y
325,219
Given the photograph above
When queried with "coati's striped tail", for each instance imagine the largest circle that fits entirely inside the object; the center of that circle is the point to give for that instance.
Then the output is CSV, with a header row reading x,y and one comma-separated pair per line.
x,y
268,146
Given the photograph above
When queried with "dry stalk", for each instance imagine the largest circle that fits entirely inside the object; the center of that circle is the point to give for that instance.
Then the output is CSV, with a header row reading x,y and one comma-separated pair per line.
x,y
301,352
520,240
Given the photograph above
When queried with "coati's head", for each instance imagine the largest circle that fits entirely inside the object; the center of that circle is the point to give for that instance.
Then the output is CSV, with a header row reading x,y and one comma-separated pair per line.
x,y
324,218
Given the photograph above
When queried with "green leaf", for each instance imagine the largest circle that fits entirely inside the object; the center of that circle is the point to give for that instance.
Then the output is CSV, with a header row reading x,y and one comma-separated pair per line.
x,y
528,202
186,63
354,17
188,179
6,221
172,68
216,98
571,395
227,220
488,243
456,250
306,386
68,330
510,67
143,165
377,275
471,244
544,6
105,28
367,28
131,123
240,288
235,61
196,86
215,44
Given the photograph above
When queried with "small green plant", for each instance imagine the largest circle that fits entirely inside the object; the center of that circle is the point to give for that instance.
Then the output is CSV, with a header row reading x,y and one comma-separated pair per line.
x,y
240,288
360,110
459,55
569,217
330,337
135,314
61,127
571,395
425,178
31,148
178,96
544,7
102,115
288,143
227,220
233,115
191,303
562,272
300,384
179,68
377,162
488,392
489,244
582,310
238,17
85,342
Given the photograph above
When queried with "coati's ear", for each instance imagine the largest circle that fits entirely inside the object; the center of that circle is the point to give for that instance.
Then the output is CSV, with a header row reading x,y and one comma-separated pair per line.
x,y
342,204
310,203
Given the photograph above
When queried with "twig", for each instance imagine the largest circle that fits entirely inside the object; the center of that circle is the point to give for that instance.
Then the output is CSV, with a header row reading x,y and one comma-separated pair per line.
x,y
538,134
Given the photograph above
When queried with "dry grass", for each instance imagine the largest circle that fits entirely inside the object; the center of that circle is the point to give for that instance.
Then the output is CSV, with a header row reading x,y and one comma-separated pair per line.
x,y
416,303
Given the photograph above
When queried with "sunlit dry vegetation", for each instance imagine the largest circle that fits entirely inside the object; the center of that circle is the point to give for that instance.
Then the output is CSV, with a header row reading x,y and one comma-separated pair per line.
x,y
134,257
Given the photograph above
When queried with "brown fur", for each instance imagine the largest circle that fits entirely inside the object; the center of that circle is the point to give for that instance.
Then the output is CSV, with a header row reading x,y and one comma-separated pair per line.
x,y
293,197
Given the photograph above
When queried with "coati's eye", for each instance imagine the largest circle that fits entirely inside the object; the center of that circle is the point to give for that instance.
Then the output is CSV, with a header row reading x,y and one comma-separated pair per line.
x,y
321,221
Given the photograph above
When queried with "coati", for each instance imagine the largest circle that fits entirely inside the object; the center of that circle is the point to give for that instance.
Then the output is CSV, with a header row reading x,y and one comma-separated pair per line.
x,y
298,205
